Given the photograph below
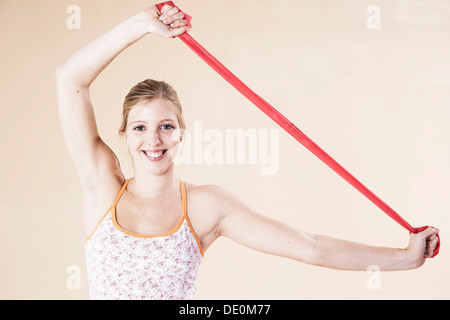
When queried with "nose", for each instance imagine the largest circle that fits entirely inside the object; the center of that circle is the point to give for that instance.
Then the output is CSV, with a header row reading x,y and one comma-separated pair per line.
x,y
153,139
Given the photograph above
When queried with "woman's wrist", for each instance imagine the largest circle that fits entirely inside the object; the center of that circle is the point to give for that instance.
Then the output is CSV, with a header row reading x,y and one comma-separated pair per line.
x,y
149,21
409,259
141,24
143,20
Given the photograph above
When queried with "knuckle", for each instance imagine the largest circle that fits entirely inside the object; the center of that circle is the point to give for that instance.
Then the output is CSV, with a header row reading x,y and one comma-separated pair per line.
x,y
169,20
179,23
165,7
173,10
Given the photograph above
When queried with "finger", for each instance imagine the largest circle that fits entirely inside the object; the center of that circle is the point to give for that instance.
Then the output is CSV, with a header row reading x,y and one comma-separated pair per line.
x,y
173,18
429,253
168,13
165,8
179,31
433,243
179,23
429,232
430,247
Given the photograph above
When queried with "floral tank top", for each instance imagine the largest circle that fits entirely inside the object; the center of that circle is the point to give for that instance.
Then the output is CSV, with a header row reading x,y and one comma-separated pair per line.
x,y
125,265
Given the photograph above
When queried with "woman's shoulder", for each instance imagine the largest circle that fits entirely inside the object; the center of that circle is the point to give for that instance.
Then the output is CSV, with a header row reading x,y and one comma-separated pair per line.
x,y
212,196
207,206
205,191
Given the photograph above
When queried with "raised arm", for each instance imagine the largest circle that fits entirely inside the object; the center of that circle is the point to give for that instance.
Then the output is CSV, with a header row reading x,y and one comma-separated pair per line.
x,y
247,227
75,75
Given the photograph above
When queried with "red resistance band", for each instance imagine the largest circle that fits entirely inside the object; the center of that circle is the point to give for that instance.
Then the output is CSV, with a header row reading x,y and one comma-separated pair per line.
x,y
290,127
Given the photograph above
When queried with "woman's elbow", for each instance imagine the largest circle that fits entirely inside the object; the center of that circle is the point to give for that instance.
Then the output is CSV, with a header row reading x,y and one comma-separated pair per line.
x,y
309,252
62,73
65,74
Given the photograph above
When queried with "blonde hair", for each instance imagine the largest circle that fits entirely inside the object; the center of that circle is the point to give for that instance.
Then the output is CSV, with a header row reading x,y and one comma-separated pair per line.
x,y
146,91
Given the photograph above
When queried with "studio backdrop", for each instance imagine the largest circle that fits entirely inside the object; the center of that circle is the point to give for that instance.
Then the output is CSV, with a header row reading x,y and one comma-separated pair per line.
x,y
368,81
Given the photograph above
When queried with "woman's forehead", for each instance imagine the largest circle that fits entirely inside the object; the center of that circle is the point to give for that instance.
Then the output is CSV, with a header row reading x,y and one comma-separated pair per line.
x,y
154,110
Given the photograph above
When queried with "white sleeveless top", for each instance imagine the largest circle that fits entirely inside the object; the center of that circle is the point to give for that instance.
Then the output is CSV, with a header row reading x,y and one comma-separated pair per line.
x,y
125,265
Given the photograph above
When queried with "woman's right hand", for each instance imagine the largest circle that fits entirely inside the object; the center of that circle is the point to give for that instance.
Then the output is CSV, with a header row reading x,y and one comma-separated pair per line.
x,y
168,23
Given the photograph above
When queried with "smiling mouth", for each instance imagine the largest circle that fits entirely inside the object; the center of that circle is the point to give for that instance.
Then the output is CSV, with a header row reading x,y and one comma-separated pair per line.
x,y
154,155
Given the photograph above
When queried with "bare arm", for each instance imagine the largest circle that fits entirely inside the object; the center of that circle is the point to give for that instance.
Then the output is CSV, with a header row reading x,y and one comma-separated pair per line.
x,y
247,227
75,75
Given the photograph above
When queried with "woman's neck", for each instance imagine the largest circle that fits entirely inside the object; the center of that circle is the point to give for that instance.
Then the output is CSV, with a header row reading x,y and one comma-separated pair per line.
x,y
148,187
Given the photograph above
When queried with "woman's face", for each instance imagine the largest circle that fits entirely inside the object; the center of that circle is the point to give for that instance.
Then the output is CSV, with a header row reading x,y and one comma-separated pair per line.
x,y
153,135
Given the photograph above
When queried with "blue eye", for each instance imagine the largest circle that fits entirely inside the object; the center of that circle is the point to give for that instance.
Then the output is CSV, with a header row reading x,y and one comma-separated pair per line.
x,y
167,127
139,128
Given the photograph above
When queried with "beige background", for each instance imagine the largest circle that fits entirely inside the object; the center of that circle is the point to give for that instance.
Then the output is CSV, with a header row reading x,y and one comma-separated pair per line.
x,y
376,100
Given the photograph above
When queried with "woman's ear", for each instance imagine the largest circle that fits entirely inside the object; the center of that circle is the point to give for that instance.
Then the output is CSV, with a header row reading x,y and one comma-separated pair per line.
x,y
123,137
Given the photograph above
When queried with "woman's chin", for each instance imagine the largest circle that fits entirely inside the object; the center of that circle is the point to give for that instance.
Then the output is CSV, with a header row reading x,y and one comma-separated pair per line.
x,y
158,167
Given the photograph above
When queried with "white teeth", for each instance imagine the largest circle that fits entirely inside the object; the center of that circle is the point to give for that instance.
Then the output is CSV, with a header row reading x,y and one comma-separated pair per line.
x,y
154,154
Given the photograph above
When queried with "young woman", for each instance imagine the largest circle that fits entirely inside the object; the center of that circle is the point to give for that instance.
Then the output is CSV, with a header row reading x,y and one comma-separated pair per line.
x,y
150,242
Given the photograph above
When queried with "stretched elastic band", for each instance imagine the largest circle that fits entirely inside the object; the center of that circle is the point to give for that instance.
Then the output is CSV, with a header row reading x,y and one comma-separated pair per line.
x,y
289,126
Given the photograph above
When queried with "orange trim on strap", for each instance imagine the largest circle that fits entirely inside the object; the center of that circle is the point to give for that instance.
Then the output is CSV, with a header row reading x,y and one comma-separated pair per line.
x,y
134,234
97,225
119,194
138,235
183,195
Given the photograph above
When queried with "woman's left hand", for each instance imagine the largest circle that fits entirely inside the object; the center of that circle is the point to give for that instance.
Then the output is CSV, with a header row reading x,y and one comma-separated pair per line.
x,y
422,245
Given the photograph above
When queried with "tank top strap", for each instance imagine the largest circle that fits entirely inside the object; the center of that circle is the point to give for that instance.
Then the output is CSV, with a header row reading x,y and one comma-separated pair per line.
x,y
186,217
184,198
124,186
